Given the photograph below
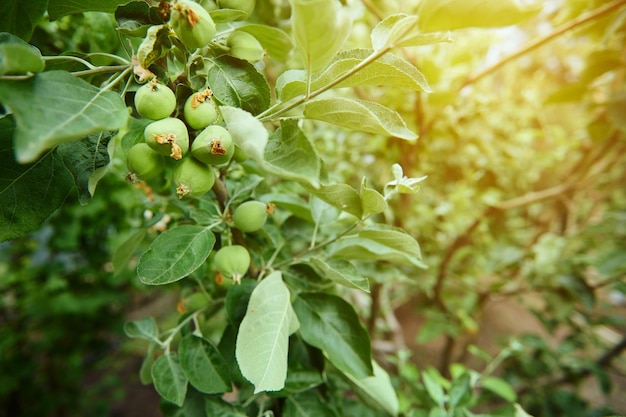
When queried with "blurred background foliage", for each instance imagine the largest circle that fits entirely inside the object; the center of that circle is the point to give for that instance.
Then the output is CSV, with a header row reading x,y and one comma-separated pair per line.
x,y
522,221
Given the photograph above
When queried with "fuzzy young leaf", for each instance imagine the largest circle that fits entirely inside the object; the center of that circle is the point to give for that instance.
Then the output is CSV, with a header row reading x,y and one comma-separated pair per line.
x,y
145,328
389,70
377,391
169,379
235,82
87,160
456,14
340,271
247,131
359,115
204,366
341,196
392,30
329,323
289,154
371,200
263,338
79,109
29,194
175,254
320,28
380,242
277,43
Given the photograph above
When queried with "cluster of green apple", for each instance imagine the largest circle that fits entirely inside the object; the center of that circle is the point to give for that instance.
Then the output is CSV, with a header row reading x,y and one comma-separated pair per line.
x,y
183,153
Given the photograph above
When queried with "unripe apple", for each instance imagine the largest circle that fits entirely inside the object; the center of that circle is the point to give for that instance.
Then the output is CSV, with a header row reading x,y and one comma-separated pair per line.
x,y
213,146
192,23
154,101
192,178
144,162
232,262
245,46
246,6
200,110
168,136
251,216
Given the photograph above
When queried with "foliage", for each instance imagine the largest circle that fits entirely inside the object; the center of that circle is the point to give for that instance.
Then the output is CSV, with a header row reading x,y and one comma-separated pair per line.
x,y
504,211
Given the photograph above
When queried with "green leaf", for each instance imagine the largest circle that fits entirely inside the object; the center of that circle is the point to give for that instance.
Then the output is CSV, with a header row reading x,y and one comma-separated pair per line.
x,y
215,406
203,364
320,27
460,392
19,17
59,8
87,160
358,115
169,379
155,45
175,254
263,339
136,17
380,242
145,328
389,70
456,14
18,57
400,30
330,323
432,383
145,371
340,271
290,155
227,15
276,42
402,184
371,200
499,387
237,300
55,107
341,196
308,404
126,250
377,391
237,83
29,194
247,131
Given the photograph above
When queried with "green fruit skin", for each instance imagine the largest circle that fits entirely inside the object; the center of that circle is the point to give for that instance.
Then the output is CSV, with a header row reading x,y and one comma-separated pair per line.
x,y
250,216
192,178
240,155
201,116
198,35
169,125
155,101
144,162
246,6
203,145
245,46
232,261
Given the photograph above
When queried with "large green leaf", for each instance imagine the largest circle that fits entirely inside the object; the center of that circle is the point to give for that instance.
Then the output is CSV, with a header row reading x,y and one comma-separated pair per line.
x,y
276,42
389,70
169,379
19,17
126,250
359,115
175,254
371,200
340,271
87,160
215,406
377,390
401,30
247,131
263,339
380,242
203,364
59,8
455,14
55,107
341,196
330,323
29,194
18,57
320,28
237,83
308,404
289,154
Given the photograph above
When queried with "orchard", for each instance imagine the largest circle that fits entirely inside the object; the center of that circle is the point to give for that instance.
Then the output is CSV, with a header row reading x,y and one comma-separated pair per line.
x,y
313,208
